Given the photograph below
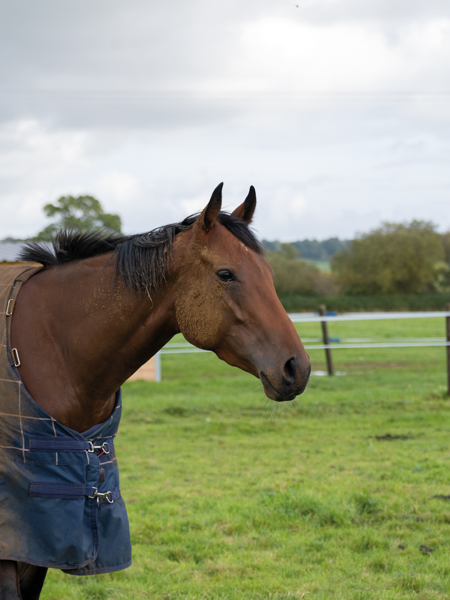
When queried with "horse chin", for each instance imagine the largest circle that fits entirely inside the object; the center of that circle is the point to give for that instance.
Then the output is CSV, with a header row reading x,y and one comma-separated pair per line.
x,y
276,395
233,361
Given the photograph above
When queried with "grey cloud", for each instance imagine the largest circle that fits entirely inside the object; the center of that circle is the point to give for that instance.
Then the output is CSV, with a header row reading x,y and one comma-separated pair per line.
x,y
100,64
144,64
138,79
400,11
114,45
118,111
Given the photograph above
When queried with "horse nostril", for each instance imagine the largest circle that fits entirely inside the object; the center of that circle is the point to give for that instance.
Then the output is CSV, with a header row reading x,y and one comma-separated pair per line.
x,y
290,369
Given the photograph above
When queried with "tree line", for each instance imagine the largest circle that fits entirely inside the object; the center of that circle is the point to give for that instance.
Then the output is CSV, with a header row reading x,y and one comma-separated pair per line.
x,y
395,258
312,249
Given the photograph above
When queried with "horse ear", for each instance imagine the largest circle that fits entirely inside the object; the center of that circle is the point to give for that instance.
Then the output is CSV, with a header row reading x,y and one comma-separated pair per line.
x,y
209,214
247,208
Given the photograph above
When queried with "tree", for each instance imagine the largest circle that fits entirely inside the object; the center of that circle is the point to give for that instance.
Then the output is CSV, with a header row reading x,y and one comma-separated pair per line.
x,y
83,213
446,244
442,283
395,258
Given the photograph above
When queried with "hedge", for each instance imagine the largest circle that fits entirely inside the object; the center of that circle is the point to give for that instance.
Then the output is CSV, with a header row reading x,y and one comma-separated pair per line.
x,y
346,303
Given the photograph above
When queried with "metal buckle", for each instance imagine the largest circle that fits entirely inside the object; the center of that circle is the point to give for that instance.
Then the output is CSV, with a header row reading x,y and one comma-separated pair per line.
x,y
10,307
103,447
15,357
102,496
105,495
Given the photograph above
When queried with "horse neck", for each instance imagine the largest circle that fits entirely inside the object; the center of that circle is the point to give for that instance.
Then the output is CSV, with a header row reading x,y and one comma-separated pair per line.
x,y
85,335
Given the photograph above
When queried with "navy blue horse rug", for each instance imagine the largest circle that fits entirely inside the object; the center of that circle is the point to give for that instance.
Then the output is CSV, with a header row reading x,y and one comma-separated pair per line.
x,y
60,502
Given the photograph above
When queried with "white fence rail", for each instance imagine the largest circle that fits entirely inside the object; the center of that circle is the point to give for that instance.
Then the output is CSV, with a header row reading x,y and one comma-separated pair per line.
x,y
186,348
377,316
347,343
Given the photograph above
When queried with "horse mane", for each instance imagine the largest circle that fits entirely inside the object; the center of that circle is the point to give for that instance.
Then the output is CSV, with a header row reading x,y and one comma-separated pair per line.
x,y
141,260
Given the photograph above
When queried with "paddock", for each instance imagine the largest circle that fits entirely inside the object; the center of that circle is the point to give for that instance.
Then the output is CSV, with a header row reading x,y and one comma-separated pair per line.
x,y
342,494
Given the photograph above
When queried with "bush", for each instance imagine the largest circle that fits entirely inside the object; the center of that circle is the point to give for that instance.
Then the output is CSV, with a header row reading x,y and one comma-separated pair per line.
x,y
393,259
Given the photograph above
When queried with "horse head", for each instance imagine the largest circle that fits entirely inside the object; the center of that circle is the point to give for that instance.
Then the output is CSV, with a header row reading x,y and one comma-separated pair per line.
x,y
226,300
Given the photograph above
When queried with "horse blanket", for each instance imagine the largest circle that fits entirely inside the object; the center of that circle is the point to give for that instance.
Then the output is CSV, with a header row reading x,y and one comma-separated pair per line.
x,y
60,502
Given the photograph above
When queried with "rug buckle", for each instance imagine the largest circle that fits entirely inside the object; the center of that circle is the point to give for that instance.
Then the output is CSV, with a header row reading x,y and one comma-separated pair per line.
x,y
102,496
103,447
10,307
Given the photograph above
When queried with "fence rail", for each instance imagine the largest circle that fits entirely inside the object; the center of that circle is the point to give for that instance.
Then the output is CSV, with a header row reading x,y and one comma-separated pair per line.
x,y
302,318
333,346
351,343
185,347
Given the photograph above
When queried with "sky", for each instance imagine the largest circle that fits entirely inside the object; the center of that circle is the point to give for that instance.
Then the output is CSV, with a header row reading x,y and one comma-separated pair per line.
x,y
337,111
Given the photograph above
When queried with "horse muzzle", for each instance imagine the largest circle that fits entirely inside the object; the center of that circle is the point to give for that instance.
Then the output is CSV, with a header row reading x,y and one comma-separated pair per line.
x,y
285,386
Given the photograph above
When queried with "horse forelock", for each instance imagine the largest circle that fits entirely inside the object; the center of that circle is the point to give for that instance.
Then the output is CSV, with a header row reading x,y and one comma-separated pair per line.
x,y
141,260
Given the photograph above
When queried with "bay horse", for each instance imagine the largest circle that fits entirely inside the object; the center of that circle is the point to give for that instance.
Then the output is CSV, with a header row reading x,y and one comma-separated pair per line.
x,y
100,307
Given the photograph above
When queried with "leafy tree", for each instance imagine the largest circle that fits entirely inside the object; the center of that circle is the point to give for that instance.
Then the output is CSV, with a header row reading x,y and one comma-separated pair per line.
x,y
442,283
83,213
446,245
395,258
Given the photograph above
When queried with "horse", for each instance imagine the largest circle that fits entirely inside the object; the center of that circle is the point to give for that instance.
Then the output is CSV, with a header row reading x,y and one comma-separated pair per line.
x,y
96,308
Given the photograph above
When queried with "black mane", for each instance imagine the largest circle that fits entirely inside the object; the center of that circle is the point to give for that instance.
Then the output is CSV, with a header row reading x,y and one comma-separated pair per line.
x,y
141,260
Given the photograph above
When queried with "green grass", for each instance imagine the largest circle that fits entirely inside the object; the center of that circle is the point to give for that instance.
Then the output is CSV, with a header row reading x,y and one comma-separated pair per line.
x,y
233,497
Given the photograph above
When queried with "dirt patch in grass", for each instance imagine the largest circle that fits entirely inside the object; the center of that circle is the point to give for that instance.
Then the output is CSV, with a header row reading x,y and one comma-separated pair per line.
x,y
389,437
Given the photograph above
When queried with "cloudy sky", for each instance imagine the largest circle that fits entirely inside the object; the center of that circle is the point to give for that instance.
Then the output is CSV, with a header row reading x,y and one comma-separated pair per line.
x,y
337,111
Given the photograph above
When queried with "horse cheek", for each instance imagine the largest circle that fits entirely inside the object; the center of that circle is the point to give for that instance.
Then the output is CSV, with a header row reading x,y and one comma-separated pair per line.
x,y
200,318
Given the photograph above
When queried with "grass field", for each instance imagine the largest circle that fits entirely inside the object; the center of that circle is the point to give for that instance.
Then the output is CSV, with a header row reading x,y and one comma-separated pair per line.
x,y
232,497
324,265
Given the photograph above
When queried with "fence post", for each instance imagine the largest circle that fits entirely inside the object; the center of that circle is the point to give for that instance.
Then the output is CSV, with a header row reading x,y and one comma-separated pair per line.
x,y
158,366
326,340
447,337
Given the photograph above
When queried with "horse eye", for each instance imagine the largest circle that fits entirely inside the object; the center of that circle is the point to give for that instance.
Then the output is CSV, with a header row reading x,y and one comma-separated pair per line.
x,y
225,275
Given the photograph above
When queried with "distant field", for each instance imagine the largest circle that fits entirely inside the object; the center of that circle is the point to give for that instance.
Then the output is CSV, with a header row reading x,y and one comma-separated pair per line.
x,y
342,495
324,265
